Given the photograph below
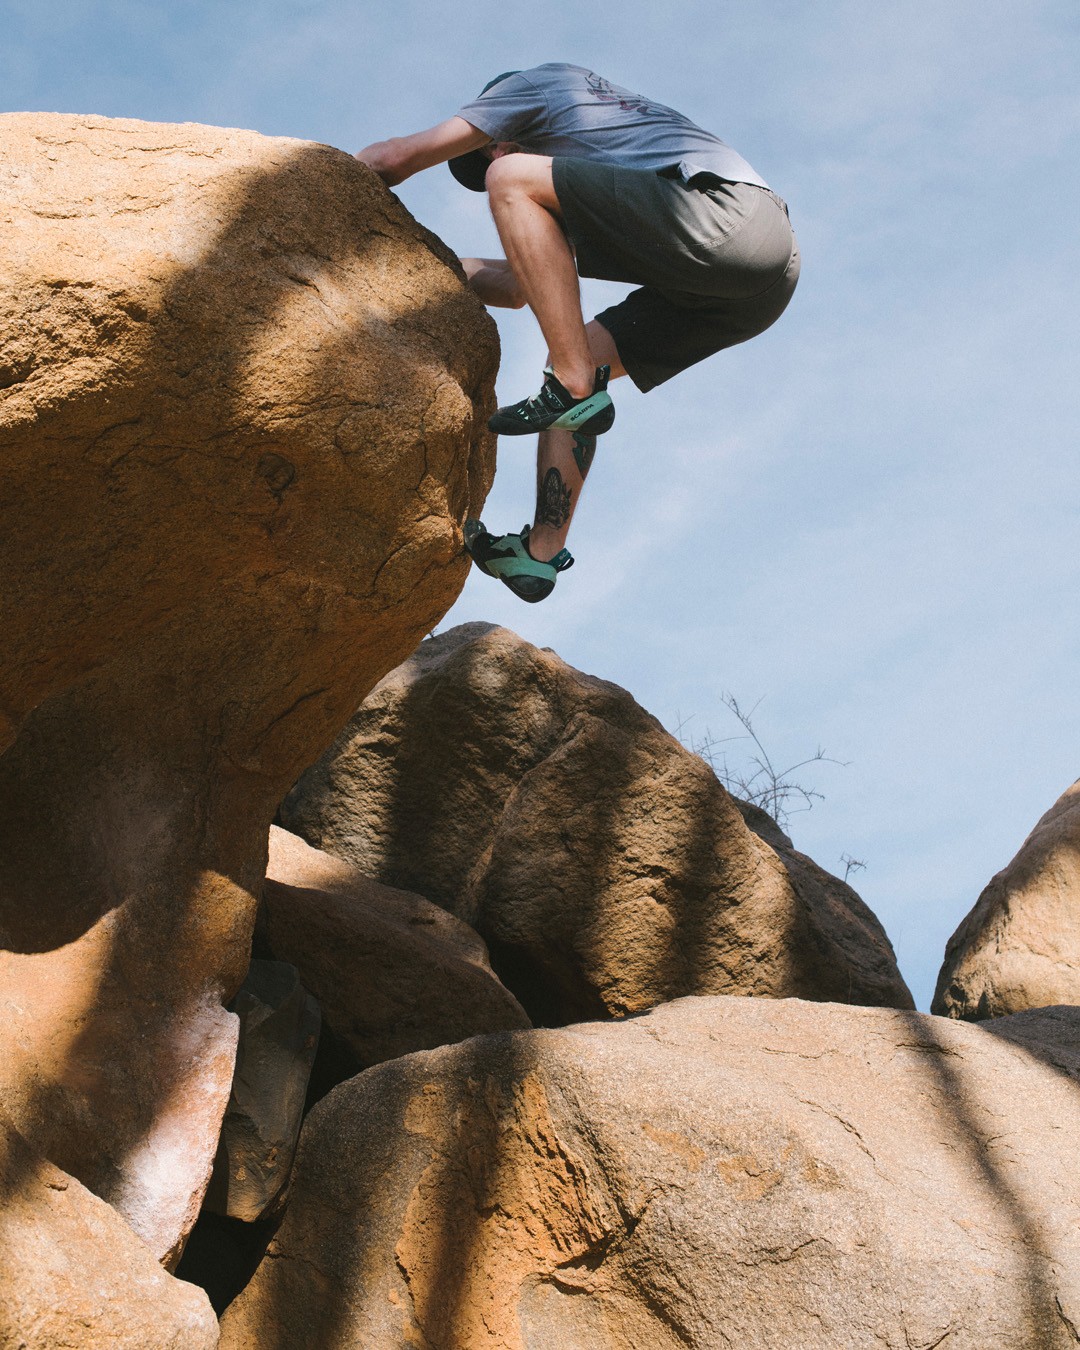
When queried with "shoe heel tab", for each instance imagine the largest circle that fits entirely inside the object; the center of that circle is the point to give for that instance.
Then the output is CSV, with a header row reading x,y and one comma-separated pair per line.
x,y
562,560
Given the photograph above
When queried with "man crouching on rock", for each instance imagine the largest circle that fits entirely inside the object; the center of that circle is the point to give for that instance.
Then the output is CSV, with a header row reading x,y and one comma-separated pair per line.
x,y
585,178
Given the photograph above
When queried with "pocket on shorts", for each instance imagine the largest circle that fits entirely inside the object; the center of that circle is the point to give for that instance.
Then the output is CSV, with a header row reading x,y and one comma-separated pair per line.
x,y
751,257
663,213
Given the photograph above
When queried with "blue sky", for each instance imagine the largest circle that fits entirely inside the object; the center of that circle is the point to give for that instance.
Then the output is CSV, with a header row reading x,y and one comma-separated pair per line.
x,y
865,518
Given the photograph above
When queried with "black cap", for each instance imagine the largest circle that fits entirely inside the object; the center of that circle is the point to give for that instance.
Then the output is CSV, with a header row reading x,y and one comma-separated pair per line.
x,y
470,170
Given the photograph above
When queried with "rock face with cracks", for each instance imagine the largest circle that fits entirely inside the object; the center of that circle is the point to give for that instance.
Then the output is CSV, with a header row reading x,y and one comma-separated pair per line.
x,y
393,973
604,864
73,1274
776,1173
1019,947
242,401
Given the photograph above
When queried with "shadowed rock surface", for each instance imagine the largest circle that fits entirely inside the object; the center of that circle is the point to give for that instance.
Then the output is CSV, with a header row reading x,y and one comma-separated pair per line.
x,y
1019,947
776,1173
393,973
279,1034
73,1274
242,401
603,862
1053,1034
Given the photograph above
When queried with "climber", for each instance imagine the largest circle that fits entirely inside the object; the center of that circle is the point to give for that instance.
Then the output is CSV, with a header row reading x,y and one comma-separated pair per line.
x,y
585,178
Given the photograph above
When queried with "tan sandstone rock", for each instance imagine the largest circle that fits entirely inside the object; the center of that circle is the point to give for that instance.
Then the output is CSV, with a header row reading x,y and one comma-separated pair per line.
x,y
1020,946
603,862
74,1276
759,1174
242,401
392,972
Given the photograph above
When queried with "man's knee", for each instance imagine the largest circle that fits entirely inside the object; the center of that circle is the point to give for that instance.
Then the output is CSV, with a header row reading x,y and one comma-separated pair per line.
x,y
516,175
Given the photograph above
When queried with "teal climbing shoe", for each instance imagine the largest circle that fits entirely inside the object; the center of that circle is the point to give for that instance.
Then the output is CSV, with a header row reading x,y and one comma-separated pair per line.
x,y
507,557
555,406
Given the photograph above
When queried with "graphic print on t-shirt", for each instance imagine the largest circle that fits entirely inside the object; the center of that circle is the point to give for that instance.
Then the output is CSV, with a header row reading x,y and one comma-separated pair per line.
x,y
605,92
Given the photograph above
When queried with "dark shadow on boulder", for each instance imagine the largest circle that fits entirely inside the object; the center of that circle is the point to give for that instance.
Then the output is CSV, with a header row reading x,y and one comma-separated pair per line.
x,y
222,1254
970,1121
1051,1035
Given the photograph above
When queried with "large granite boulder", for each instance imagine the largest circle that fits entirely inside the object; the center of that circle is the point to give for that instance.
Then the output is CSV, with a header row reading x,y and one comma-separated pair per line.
x,y
73,1276
604,864
1019,947
392,972
242,403
719,1172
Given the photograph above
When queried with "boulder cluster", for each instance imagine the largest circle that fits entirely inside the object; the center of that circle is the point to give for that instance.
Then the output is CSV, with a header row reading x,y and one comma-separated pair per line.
x,y
365,990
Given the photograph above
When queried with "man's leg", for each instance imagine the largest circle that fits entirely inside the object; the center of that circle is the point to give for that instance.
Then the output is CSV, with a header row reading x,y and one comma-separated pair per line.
x,y
563,460
563,457
526,212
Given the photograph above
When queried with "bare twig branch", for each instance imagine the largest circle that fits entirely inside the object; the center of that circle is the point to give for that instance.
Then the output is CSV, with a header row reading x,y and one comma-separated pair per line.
x,y
851,865
760,781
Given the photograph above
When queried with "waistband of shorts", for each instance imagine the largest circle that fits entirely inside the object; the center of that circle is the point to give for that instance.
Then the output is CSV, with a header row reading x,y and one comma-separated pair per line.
x,y
703,181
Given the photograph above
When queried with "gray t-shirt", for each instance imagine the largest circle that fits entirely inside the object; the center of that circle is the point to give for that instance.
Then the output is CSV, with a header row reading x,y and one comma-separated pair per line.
x,y
559,109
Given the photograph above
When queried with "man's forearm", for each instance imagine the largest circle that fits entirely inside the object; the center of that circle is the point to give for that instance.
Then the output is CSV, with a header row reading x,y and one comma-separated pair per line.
x,y
388,159
493,282
400,157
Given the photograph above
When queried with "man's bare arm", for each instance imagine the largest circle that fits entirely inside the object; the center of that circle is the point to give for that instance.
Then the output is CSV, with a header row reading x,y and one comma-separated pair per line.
x,y
402,156
493,282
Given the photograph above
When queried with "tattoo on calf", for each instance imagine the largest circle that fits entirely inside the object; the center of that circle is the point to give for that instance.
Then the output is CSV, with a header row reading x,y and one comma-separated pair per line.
x,y
584,449
553,508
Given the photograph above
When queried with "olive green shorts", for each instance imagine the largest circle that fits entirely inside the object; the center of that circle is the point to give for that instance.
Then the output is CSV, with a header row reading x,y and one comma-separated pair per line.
x,y
716,262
